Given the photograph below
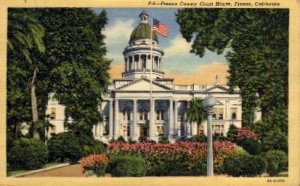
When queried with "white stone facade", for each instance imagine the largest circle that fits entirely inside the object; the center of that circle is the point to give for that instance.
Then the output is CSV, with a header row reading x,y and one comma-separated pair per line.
x,y
145,103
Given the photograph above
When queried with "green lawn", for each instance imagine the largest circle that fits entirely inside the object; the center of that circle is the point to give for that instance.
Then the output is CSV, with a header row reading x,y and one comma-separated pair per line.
x,y
16,172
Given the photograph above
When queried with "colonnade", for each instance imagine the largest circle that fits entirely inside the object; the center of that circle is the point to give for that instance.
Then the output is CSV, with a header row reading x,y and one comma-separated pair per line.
x,y
172,123
142,61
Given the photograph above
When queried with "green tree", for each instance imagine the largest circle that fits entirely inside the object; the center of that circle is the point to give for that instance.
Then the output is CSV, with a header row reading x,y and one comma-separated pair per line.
x,y
232,132
25,35
255,42
59,50
195,112
75,51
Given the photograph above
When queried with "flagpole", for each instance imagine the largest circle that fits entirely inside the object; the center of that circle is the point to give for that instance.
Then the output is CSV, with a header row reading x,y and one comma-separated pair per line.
x,y
151,69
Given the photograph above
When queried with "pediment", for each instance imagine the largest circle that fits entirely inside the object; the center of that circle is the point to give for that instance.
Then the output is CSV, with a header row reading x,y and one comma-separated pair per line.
x,y
143,84
219,103
218,88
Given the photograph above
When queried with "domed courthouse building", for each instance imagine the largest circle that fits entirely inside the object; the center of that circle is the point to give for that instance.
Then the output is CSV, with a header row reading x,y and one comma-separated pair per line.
x,y
146,104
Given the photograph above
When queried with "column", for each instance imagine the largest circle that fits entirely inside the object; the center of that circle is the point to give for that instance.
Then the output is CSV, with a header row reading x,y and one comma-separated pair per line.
x,y
134,124
116,123
194,128
132,63
140,62
111,119
188,129
159,62
101,127
227,111
152,123
95,130
127,64
171,119
177,126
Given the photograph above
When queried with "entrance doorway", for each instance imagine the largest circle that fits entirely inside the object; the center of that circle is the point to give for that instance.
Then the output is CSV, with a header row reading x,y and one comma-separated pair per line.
x,y
143,131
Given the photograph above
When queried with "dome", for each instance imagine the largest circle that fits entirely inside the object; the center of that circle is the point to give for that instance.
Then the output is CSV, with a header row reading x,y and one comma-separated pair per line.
x,y
142,31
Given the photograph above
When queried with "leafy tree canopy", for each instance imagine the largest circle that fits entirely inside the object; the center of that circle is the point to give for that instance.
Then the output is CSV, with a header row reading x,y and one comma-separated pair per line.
x,y
72,63
255,42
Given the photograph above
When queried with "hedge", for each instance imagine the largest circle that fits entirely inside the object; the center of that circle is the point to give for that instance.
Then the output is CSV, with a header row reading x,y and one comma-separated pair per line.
x,y
27,154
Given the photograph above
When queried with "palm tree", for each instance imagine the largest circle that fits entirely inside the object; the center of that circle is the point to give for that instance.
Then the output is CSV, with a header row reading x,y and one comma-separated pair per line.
x,y
196,112
25,34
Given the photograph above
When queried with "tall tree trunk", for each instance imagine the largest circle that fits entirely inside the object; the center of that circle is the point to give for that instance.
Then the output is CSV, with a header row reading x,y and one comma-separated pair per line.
x,y
17,130
34,108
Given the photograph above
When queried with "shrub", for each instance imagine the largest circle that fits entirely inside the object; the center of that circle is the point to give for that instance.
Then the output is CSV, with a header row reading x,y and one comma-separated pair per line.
x,y
163,139
275,140
126,165
142,139
240,151
198,138
199,168
276,162
168,165
97,163
93,147
27,154
245,133
244,165
220,138
232,132
250,145
121,139
65,145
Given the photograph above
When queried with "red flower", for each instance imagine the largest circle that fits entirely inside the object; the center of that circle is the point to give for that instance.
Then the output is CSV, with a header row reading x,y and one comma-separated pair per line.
x,y
244,133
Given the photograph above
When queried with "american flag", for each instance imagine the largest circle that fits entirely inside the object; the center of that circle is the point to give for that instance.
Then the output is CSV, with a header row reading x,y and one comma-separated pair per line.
x,y
160,28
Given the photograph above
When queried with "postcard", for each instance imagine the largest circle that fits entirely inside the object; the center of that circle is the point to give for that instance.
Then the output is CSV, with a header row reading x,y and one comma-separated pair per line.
x,y
150,92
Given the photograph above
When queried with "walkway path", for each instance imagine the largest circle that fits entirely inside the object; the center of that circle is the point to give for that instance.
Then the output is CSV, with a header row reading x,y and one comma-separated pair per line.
x,y
68,171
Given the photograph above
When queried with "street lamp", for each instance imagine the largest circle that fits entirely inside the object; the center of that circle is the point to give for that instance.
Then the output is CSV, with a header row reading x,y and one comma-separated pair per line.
x,y
208,103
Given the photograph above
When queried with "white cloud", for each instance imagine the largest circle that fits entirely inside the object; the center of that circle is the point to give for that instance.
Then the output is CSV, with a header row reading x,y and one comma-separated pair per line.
x,y
120,28
117,37
178,47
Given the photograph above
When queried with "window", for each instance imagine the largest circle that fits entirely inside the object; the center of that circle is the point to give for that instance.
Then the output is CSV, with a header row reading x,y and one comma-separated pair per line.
x,y
159,115
233,113
143,115
52,130
200,129
105,129
218,129
128,130
126,116
53,113
218,114
182,118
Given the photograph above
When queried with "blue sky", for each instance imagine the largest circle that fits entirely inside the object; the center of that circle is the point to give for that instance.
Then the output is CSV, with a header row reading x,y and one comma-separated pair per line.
x,y
177,61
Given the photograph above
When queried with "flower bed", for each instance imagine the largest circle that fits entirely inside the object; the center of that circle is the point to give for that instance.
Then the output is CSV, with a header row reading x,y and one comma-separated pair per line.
x,y
246,133
184,158
94,164
177,159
